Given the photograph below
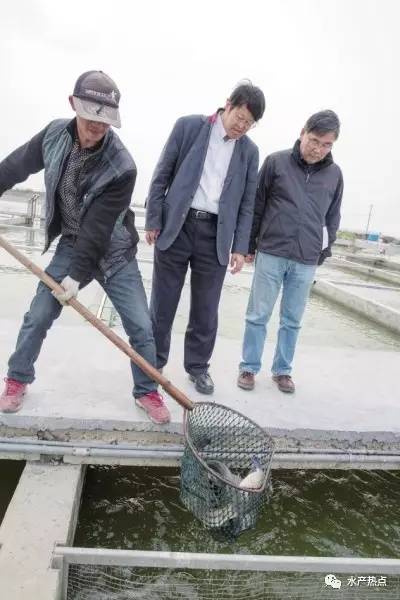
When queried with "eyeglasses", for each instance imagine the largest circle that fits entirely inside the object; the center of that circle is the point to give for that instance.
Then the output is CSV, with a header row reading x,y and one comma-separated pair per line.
x,y
314,143
243,122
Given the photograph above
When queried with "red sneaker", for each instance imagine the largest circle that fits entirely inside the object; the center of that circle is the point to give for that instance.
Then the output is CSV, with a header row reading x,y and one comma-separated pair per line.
x,y
11,398
153,404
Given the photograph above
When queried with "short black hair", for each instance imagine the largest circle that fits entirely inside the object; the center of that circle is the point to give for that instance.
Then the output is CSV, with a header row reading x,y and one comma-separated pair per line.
x,y
247,94
324,121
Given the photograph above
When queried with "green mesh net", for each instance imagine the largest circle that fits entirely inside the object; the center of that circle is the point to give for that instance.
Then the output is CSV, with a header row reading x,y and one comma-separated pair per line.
x,y
222,448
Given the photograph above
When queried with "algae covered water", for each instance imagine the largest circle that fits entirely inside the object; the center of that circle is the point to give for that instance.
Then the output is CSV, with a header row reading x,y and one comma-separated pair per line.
x,y
311,513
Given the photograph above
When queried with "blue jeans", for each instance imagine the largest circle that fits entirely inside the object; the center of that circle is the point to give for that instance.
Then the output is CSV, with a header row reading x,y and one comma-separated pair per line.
x,y
126,292
270,274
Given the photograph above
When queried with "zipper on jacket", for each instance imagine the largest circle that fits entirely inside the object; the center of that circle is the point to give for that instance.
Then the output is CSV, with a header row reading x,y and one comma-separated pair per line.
x,y
83,172
49,220
51,216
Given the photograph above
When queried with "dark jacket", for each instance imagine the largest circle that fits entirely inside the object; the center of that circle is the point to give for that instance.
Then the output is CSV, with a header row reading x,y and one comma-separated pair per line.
x,y
177,177
294,202
107,235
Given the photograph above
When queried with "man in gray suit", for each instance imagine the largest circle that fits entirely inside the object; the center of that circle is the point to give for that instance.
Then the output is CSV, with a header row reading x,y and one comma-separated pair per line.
x,y
199,213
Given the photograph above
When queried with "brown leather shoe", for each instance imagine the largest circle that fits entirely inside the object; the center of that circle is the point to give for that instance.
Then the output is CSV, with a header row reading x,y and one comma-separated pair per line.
x,y
246,380
284,383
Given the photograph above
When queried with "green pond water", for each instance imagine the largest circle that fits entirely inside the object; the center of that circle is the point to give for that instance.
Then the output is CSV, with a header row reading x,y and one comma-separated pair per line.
x,y
10,472
312,513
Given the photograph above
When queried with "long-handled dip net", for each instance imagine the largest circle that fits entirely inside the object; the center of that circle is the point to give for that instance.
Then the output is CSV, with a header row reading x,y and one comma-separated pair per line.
x,y
227,459
225,478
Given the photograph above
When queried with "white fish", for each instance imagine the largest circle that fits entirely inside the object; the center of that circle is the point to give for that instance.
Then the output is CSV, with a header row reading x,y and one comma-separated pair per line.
x,y
255,478
225,472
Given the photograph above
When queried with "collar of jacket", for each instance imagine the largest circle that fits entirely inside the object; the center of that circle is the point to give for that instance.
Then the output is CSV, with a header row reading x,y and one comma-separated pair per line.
x,y
325,162
73,132
213,118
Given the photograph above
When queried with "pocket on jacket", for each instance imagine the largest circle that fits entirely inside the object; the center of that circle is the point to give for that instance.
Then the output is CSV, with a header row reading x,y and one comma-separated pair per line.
x,y
275,226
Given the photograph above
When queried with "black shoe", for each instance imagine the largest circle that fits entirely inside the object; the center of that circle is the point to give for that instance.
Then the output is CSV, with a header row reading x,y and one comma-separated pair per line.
x,y
203,383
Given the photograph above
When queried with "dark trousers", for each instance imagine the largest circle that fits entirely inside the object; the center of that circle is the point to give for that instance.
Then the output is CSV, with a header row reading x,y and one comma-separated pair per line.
x,y
194,246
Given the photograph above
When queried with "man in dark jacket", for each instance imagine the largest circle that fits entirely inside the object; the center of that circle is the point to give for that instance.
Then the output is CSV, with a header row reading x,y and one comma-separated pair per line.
x,y
199,212
297,214
89,178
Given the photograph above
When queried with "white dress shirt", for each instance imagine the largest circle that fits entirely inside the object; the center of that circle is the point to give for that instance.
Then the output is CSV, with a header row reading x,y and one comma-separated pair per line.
x,y
219,154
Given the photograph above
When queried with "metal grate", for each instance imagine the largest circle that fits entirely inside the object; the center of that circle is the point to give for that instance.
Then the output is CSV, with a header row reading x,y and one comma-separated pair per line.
x,y
100,574
112,583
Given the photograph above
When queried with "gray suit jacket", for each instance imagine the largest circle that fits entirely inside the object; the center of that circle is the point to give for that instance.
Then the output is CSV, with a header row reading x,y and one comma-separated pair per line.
x,y
177,177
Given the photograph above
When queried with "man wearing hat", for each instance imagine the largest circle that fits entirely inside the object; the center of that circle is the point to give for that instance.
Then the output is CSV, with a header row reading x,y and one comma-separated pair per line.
x,y
89,178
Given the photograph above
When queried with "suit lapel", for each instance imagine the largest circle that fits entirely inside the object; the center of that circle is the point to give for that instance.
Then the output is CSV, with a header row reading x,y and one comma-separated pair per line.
x,y
197,153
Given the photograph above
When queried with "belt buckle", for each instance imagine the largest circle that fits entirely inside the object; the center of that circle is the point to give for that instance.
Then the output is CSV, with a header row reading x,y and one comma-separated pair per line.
x,y
200,214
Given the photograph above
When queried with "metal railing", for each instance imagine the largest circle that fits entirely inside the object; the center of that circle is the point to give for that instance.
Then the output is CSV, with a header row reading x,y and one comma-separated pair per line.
x,y
90,452
29,211
66,555
263,576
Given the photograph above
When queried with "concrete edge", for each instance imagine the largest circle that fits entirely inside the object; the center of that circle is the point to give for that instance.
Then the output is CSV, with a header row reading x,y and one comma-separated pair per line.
x,y
284,438
43,509
380,313
376,260
376,272
42,423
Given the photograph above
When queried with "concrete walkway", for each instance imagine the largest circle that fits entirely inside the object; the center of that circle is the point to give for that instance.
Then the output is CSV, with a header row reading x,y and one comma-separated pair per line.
x,y
41,513
345,398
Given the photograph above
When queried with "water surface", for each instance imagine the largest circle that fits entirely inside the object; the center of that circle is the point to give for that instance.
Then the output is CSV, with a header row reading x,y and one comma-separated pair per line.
x,y
10,472
311,513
